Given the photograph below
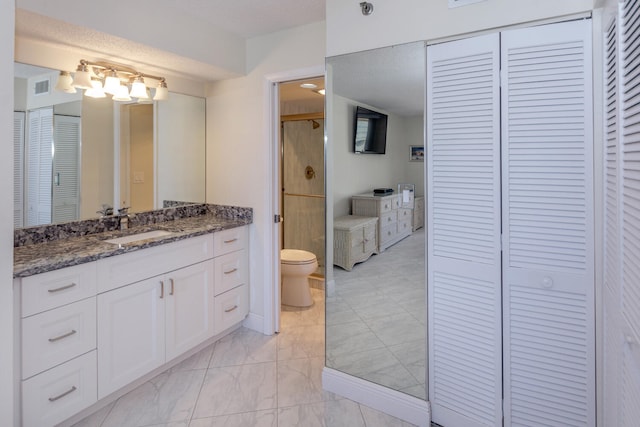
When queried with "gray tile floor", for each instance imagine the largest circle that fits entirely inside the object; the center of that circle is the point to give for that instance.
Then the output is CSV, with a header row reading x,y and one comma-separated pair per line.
x,y
376,318
246,379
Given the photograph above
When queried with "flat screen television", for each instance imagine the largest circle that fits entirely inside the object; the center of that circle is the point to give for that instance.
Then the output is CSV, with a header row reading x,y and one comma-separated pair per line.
x,y
370,136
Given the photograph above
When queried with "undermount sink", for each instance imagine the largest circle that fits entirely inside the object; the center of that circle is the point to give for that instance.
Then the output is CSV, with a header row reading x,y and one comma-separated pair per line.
x,y
140,236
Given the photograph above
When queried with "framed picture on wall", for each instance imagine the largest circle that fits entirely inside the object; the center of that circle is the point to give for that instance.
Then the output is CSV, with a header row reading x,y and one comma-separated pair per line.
x,y
416,153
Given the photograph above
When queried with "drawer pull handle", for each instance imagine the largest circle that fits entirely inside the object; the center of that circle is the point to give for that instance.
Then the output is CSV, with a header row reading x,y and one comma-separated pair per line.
x,y
171,291
232,240
233,270
60,396
62,288
68,334
161,289
229,310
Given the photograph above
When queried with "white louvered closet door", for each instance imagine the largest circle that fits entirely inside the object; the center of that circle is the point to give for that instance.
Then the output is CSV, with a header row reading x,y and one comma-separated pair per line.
x,y
18,168
547,199
611,291
464,271
66,169
39,166
630,218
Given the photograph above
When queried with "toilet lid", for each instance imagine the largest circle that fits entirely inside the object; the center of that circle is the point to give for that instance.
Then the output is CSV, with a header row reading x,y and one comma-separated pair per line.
x,y
296,256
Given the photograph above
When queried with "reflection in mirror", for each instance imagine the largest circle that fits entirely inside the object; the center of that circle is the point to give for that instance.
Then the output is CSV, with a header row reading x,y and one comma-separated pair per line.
x,y
376,312
75,154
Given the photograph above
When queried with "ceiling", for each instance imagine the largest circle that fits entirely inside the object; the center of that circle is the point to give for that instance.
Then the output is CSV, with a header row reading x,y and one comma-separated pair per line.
x,y
251,18
390,79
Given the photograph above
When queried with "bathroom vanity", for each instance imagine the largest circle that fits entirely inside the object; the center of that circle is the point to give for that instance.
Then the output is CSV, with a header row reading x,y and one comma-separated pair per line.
x,y
102,312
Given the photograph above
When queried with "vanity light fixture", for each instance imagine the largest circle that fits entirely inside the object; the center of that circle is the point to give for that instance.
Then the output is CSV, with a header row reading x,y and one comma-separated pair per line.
x,y
116,79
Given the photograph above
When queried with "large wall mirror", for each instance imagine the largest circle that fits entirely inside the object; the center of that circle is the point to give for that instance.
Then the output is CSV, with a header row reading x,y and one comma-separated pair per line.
x,y
76,155
376,310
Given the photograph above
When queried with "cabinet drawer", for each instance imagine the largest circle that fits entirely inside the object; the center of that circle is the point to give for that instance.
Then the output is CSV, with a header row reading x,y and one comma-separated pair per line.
x,y
230,240
230,308
58,335
388,218
388,232
404,226
121,270
404,213
386,205
231,270
55,395
49,290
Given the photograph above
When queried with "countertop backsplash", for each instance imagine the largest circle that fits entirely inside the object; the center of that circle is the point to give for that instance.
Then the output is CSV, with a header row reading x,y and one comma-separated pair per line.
x,y
49,232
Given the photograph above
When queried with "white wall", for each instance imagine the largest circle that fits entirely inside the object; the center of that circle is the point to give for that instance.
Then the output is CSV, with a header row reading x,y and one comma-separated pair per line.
x,y
181,149
393,22
144,22
6,215
238,145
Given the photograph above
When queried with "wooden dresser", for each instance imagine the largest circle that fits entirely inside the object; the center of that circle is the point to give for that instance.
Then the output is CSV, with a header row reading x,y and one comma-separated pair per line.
x,y
394,222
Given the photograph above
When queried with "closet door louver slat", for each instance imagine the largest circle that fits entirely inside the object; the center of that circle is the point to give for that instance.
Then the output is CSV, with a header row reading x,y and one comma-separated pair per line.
x,y
547,211
463,179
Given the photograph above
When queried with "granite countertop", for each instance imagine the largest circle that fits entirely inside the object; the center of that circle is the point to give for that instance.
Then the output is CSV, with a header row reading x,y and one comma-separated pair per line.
x,y
55,254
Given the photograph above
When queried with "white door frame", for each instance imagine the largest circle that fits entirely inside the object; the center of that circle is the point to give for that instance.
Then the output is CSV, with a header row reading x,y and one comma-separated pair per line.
x,y
272,101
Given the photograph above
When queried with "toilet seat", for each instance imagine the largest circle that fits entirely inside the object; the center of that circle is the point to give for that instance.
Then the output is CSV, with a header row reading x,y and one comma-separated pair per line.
x,y
296,257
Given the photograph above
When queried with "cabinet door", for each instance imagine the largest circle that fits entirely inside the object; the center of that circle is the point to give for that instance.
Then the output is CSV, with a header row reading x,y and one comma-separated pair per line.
x,y
464,267
189,299
547,210
131,333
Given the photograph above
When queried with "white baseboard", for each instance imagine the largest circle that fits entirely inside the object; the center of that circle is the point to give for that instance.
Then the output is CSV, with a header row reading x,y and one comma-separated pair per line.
x,y
254,322
330,287
392,402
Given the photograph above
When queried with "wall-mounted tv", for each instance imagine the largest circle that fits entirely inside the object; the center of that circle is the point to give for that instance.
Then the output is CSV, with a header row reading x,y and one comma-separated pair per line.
x,y
370,136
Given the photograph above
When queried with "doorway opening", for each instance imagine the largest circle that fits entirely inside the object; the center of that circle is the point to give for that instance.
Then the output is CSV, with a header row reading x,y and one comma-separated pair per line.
x,y
301,184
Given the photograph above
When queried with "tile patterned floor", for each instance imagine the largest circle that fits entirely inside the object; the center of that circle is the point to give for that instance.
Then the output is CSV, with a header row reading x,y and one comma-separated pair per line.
x,y
247,379
376,318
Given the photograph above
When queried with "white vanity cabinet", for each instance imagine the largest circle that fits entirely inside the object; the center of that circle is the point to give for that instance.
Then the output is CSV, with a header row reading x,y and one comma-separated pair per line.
x,y
90,330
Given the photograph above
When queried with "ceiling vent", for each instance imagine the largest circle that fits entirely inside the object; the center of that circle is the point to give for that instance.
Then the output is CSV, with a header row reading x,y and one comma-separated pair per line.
x,y
41,87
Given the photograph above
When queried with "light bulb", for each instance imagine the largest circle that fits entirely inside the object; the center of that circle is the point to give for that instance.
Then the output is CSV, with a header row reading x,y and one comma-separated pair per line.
x,y
122,94
111,82
96,90
138,88
64,83
82,78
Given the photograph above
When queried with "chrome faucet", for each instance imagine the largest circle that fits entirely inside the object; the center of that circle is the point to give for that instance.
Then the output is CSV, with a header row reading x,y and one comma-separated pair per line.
x,y
123,215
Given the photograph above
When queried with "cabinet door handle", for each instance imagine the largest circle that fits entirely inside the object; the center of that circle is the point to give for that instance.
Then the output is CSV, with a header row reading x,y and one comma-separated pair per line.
x,y
229,310
235,239
62,288
233,270
171,291
59,337
60,396
161,289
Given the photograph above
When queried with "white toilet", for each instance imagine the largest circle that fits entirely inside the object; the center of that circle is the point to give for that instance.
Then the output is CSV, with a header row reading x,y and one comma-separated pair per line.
x,y
295,267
